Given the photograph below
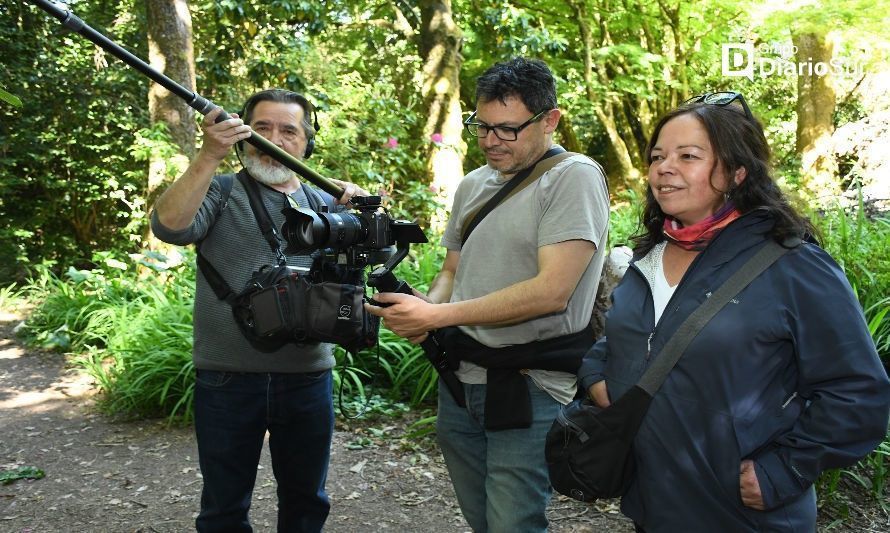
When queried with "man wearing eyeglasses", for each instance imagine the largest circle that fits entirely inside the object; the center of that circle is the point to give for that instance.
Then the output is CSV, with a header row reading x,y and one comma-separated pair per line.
x,y
520,291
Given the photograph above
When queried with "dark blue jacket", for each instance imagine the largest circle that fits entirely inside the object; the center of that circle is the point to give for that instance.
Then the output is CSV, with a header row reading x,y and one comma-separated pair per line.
x,y
786,375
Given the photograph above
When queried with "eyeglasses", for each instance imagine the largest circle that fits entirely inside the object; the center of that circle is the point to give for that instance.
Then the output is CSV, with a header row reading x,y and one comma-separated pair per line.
x,y
722,99
504,133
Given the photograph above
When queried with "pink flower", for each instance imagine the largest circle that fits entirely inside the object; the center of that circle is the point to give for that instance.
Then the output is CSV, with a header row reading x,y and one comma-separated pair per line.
x,y
392,143
433,189
436,138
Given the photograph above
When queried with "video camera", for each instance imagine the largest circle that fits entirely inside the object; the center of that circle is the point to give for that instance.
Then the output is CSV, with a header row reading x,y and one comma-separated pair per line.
x,y
368,237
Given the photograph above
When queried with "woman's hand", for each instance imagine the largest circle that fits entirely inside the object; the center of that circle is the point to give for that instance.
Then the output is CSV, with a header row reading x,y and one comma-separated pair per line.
x,y
599,394
749,486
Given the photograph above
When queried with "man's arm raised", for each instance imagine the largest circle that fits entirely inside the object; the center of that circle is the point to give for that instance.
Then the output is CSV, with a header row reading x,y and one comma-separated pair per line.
x,y
178,205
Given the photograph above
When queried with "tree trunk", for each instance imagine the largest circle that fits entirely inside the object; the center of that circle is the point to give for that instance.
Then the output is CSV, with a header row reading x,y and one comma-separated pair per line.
x,y
439,44
567,137
170,52
816,102
625,173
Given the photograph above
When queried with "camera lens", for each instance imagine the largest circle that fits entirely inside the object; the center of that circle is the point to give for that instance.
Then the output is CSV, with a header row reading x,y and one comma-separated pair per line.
x,y
306,231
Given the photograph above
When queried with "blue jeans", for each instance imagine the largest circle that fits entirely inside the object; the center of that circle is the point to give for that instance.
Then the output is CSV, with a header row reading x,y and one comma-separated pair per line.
x,y
500,477
233,411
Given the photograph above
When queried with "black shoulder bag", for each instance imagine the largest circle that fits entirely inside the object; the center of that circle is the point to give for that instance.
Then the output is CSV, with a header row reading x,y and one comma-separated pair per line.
x,y
589,450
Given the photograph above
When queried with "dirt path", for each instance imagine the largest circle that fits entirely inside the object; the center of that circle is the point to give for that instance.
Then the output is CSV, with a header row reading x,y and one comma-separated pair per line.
x,y
142,477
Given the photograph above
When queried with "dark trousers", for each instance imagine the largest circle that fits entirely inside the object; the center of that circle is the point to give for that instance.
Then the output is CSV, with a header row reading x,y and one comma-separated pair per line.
x,y
233,411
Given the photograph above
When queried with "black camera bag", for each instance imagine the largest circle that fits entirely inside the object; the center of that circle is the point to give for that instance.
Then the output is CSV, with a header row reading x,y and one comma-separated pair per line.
x,y
279,305
589,450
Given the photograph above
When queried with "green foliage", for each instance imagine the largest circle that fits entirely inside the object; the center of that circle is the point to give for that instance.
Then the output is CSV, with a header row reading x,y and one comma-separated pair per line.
x,y
9,296
860,246
131,331
21,472
374,407
10,98
624,219
67,182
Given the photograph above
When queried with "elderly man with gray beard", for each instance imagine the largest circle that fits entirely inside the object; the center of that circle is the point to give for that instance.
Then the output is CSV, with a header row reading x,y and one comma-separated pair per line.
x,y
241,393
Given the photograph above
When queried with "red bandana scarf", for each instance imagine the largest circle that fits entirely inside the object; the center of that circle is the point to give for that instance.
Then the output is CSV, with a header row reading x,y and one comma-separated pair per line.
x,y
697,236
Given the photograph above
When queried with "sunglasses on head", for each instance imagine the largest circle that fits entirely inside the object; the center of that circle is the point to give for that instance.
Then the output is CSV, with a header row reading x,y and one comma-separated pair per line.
x,y
724,98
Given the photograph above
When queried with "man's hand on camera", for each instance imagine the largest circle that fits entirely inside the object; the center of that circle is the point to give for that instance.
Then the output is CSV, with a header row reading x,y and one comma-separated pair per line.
x,y
418,339
408,316
349,190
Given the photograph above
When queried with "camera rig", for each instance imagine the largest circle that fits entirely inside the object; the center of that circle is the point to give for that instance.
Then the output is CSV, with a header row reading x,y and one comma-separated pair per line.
x,y
355,239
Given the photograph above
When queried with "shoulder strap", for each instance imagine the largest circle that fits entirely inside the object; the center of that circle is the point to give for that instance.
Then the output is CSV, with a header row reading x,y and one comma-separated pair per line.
x,y
261,214
516,184
225,188
222,289
315,199
673,350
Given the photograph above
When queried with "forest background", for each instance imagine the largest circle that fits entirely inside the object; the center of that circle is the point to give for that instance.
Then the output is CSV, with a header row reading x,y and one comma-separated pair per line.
x,y
87,143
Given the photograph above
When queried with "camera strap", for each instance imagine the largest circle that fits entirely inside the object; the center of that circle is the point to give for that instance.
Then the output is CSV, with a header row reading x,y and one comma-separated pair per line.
x,y
219,285
518,182
261,214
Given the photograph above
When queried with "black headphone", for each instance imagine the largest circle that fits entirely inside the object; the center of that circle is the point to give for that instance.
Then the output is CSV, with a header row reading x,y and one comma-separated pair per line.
x,y
282,96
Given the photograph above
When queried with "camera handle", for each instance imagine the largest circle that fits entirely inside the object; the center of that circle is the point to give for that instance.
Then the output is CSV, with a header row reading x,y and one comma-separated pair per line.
x,y
383,279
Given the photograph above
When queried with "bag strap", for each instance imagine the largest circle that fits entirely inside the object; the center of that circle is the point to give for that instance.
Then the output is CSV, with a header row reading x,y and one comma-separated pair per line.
x,y
222,289
673,350
261,214
219,285
520,181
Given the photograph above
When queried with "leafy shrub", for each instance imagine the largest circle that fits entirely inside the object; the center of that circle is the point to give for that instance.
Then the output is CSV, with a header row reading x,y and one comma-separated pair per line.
x,y
128,328
860,246
68,185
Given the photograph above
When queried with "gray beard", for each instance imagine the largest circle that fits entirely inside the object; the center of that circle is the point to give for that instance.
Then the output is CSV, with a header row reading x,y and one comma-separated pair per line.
x,y
267,174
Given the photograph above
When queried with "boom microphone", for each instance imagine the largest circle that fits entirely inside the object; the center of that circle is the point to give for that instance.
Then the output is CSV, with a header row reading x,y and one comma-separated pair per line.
x,y
194,100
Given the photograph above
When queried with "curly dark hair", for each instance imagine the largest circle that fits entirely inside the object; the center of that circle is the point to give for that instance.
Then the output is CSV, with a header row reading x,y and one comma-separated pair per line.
x,y
530,80
738,142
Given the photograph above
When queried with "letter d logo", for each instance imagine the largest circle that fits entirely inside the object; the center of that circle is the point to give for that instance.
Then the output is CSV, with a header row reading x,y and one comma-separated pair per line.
x,y
738,60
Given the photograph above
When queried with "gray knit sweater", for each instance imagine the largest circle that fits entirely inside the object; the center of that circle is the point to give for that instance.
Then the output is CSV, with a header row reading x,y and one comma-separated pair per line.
x,y
233,244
